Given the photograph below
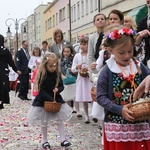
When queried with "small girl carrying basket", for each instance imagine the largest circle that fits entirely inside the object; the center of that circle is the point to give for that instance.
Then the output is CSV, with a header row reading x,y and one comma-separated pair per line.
x,y
54,106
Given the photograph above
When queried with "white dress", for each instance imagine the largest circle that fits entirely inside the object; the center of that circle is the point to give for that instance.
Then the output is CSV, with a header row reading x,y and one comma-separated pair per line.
x,y
32,66
39,116
97,110
83,84
69,92
32,62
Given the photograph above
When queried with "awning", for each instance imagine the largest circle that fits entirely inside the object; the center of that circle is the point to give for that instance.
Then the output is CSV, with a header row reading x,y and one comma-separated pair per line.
x,y
138,13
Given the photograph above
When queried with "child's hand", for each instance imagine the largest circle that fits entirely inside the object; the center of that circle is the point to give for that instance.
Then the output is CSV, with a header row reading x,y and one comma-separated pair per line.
x,y
93,65
63,76
78,66
55,90
34,67
126,113
69,69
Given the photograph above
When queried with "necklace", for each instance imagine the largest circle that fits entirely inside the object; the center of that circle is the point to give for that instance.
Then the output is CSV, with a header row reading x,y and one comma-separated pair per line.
x,y
130,77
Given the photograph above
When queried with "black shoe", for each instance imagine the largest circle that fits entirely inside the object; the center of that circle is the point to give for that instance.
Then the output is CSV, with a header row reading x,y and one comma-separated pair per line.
x,y
95,120
46,145
65,143
87,121
1,106
79,115
28,99
21,97
74,112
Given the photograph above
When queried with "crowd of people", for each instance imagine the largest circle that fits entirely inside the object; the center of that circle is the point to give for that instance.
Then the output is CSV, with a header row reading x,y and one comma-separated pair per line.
x,y
114,60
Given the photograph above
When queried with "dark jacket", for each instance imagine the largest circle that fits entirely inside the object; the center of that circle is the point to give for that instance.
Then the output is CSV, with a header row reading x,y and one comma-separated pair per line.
x,y
22,61
46,90
142,25
55,49
5,60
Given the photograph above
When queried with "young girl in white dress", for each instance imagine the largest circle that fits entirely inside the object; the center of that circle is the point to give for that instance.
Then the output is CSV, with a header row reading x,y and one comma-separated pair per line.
x,y
83,84
36,54
48,82
67,56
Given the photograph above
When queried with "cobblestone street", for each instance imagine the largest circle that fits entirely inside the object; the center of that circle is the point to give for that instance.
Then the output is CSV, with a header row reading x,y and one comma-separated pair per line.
x,y
15,134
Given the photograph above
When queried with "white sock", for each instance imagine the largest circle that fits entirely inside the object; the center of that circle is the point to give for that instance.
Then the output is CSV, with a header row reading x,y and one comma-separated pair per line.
x,y
61,130
44,134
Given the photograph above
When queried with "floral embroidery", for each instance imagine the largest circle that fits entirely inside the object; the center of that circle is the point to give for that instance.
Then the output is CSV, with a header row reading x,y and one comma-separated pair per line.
x,y
121,93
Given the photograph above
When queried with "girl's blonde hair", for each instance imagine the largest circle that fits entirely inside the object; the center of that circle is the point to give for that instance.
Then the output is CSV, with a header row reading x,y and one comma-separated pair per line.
x,y
36,48
42,72
129,18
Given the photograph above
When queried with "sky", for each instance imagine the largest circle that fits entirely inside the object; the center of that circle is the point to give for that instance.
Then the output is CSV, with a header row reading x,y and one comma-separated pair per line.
x,y
16,9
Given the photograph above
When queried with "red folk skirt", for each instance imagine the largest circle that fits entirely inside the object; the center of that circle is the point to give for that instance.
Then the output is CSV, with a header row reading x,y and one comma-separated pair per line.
x,y
142,145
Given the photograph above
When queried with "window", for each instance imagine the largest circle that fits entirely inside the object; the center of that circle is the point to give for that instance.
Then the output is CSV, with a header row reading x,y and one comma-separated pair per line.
x,y
50,22
91,5
62,14
95,5
53,20
39,29
56,18
82,6
78,10
87,7
36,30
68,10
74,13
71,14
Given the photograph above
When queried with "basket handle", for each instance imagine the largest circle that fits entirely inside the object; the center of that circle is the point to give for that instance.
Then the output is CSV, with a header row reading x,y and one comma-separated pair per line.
x,y
54,96
130,99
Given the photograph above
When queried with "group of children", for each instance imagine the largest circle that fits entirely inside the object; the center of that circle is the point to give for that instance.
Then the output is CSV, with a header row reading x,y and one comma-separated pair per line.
x,y
120,76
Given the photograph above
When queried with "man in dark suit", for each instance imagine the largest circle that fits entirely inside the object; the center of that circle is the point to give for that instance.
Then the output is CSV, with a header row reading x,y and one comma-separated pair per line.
x,y
144,26
22,59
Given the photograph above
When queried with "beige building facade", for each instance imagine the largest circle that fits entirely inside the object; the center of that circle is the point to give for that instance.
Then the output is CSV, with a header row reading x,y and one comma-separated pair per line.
x,y
73,17
57,16
83,11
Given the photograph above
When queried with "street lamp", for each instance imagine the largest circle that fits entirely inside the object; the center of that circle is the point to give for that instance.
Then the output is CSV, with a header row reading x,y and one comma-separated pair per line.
x,y
16,21
8,33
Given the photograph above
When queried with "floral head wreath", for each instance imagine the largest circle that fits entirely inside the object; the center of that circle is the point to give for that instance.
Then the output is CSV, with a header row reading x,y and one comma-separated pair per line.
x,y
118,33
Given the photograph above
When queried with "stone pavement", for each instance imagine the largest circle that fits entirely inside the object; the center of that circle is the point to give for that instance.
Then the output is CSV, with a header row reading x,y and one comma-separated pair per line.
x,y
15,134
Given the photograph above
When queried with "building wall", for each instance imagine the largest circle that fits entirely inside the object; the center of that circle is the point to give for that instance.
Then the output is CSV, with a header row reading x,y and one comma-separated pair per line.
x,y
82,13
31,32
123,5
58,14
81,22
50,21
40,24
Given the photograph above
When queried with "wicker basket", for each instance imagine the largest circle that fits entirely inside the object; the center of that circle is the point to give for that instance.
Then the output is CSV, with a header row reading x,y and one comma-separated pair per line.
x,y
141,109
84,72
53,107
93,93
